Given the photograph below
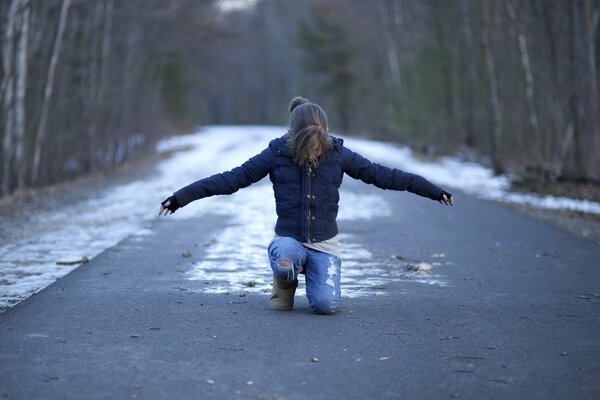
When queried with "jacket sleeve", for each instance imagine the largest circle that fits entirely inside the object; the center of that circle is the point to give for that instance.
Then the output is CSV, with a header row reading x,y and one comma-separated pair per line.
x,y
228,182
358,167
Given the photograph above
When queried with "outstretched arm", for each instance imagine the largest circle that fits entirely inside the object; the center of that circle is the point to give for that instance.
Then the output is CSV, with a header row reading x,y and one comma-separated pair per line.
x,y
228,182
358,167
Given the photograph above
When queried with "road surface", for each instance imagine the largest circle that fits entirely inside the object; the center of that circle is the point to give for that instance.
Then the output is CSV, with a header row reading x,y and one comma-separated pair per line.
x,y
514,312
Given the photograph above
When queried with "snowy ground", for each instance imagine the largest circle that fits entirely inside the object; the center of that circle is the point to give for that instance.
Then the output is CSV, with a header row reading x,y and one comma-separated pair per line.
x,y
28,259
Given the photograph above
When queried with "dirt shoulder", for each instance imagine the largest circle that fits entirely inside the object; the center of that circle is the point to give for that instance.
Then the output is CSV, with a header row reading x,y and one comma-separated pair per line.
x,y
583,225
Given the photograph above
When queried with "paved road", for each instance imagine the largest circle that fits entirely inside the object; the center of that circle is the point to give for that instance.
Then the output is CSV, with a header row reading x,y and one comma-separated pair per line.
x,y
519,317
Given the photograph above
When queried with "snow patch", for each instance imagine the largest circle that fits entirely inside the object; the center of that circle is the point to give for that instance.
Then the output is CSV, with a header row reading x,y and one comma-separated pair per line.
x,y
468,177
86,228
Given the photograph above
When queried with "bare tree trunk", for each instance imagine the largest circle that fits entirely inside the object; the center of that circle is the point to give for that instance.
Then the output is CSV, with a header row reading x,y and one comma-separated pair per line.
x,y
580,79
445,67
390,46
41,131
106,45
98,81
99,102
457,100
91,142
592,16
553,146
21,87
8,96
129,70
472,75
494,98
516,14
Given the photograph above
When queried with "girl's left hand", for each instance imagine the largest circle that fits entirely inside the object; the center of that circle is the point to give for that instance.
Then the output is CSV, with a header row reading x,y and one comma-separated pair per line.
x,y
446,198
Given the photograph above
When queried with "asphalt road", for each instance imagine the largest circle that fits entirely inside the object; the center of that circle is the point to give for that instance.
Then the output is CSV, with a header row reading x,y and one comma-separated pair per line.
x,y
519,317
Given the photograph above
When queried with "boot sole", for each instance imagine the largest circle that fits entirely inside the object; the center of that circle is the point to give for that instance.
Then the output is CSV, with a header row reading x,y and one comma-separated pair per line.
x,y
282,308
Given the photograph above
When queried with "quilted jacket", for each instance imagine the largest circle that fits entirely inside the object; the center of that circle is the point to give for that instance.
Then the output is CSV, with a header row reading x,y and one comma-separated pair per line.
x,y
306,198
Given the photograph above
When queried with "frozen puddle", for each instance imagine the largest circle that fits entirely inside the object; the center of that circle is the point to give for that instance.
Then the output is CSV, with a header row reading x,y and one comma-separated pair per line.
x,y
236,258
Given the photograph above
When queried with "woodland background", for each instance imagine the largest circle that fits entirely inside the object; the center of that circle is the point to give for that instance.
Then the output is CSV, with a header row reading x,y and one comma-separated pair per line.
x,y
85,84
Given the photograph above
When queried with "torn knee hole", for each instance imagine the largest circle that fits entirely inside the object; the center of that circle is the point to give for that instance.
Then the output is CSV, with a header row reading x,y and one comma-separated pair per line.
x,y
285,264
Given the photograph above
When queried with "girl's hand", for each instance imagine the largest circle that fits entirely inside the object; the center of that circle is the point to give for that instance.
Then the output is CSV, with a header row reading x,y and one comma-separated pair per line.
x,y
446,198
168,206
163,210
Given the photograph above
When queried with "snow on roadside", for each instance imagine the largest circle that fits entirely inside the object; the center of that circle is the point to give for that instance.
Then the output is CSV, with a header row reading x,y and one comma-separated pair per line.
x,y
468,177
28,258
86,228
33,245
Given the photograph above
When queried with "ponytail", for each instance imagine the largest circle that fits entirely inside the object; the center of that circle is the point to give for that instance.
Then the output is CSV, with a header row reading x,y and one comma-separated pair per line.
x,y
308,139
308,144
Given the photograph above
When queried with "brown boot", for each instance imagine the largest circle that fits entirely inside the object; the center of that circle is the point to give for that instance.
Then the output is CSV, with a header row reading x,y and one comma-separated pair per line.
x,y
282,296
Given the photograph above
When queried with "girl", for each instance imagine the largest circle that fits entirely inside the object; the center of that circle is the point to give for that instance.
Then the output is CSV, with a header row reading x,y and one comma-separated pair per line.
x,y
306,167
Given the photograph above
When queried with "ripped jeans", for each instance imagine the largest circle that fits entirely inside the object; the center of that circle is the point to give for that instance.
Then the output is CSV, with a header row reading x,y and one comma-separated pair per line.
x,y
288,258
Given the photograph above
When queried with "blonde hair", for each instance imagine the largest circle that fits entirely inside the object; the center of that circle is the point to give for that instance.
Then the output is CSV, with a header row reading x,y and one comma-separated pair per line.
x,y
308,139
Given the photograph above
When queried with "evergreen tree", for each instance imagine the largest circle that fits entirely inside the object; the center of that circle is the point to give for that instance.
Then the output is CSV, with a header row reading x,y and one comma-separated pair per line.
x,y
330,56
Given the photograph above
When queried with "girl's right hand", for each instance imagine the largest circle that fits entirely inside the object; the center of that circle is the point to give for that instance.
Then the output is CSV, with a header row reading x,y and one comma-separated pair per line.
x,y
446,198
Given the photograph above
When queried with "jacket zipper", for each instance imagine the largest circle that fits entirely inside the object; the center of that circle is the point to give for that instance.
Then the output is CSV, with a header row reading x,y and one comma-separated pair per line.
x,y
308,235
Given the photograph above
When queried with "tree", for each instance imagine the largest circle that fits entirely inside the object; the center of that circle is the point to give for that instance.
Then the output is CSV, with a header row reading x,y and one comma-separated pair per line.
x,y
330,55
42,125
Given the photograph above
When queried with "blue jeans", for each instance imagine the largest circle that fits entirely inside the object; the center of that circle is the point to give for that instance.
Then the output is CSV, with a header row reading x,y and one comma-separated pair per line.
x,y
289,258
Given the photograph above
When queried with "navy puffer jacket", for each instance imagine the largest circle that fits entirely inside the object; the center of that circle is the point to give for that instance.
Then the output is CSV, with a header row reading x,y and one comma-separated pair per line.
x,y
306,198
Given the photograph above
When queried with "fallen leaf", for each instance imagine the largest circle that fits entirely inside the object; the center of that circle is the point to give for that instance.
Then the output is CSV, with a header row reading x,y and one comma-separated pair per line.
x,y
449,337
398,333
82,260
232,348
467,358
379,287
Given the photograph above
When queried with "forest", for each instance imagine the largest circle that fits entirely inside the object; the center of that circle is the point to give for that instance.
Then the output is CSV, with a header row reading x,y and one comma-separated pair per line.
x,y
89,84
